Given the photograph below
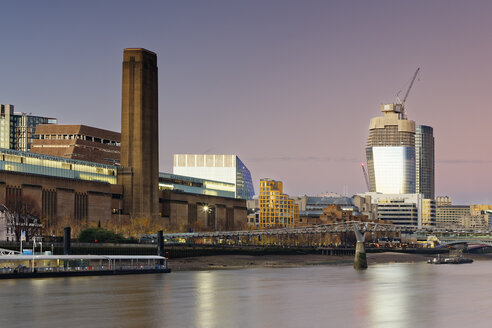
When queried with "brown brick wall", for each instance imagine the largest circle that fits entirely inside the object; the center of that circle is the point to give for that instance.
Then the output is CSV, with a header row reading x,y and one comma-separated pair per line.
x,y
49,192
100,207
65,204
180,208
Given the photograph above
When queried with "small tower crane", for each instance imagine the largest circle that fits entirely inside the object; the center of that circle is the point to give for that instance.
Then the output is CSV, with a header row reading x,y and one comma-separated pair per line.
x,y
402,102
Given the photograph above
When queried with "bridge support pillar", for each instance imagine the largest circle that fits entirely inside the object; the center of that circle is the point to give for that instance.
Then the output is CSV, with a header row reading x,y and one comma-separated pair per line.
x,y
360,260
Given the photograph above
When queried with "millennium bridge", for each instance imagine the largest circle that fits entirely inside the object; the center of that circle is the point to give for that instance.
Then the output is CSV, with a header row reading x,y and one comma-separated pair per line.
x,y
322,232
347,226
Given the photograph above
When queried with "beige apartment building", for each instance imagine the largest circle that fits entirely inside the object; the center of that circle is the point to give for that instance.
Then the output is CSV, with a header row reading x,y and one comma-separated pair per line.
x,y
277,210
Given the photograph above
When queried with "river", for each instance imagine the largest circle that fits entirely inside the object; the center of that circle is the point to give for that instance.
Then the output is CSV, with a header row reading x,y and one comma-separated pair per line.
x,y
386,295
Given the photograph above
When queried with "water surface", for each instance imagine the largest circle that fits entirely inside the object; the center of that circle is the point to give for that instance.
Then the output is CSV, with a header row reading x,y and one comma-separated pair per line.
x,y
386,295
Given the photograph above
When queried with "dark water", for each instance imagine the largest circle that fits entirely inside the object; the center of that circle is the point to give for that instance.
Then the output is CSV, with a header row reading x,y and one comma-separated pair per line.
x,y
386,295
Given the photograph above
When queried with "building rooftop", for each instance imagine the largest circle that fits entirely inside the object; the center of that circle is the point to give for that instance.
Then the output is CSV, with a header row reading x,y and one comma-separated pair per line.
x,y
329,200
141,49
39,164
48,129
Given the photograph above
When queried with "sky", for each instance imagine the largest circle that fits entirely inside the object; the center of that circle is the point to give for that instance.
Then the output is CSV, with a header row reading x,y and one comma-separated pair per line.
x,y
288,86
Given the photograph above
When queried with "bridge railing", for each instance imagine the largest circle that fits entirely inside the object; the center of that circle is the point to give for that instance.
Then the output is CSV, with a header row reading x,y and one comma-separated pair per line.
x,y
325,228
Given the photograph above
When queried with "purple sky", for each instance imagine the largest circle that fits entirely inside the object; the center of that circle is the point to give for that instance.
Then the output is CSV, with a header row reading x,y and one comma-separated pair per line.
x,y
289,86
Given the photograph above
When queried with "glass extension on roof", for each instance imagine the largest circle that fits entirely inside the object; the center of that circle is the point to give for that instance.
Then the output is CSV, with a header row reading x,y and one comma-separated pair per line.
x,y
31,163
193,185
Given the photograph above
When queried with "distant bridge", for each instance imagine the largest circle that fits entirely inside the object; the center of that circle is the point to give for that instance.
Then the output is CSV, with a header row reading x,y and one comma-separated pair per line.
x,y
477,242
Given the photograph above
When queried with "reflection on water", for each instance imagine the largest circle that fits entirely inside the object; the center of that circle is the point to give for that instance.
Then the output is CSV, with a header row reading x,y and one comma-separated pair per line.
x,y
386,295
398,297
206,293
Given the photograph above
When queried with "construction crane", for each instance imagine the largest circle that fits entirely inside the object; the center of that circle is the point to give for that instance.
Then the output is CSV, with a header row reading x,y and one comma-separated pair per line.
x,y
402,102
365,176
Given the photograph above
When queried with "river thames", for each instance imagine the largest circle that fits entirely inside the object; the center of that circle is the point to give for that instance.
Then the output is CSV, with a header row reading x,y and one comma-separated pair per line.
x,y
386,295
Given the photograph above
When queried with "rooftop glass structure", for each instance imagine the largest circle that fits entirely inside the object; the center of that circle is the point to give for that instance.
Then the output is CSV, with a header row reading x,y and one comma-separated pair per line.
x,y
226,168
192,185
26,162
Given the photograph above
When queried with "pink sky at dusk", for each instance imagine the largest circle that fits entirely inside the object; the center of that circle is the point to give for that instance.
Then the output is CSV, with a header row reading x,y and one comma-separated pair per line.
x,y
288,86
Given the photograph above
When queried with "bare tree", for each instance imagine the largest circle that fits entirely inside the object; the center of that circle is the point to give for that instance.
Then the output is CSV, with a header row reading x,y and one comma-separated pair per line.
x,y
23,215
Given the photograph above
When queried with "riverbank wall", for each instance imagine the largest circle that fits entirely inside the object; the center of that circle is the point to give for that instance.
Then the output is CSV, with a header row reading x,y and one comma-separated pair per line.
x,y
182,251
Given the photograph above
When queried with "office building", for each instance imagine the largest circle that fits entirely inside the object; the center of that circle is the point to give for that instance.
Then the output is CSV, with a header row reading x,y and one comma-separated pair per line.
x,y
480,209
475,222
80,142
451,216
277,210
17,129
428,212
424,161
365,205
400,209
457,217
390,152
484,211
226,168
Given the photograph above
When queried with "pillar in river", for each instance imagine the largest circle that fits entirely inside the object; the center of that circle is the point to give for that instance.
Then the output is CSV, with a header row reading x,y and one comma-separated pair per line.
x,y
360,260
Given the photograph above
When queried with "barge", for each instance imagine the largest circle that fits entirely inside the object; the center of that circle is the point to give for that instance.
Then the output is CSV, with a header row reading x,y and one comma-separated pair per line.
x,y
449,260
47,266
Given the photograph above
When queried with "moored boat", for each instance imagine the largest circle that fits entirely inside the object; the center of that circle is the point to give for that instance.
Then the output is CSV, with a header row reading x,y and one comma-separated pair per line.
x,y
449,260
44,266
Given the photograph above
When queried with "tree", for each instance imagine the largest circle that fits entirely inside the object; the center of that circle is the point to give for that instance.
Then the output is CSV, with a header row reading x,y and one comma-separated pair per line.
x,y
23,215
99,235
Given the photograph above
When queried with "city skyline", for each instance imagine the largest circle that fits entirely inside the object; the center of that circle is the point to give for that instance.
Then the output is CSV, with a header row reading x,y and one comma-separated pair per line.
x,y
288,87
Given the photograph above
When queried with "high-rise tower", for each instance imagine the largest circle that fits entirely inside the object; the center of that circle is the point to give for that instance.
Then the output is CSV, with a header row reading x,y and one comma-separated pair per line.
x,y
424,160
139,173
390,152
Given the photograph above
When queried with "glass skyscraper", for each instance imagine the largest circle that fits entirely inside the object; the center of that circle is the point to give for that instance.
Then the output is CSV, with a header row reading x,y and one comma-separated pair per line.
x,y
424,158
390,152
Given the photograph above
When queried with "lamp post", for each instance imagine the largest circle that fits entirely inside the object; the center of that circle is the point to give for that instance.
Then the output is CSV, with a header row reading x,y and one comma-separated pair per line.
x,y
208,210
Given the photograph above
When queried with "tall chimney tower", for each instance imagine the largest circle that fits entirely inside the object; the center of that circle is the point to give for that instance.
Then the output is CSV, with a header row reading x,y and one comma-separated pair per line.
x,y
139,171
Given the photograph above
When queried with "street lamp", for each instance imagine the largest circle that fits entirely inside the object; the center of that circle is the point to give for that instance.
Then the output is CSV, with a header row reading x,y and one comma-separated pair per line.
x,y
208,210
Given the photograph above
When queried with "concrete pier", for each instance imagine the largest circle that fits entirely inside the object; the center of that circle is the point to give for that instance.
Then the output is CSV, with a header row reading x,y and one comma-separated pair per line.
x,y
360,260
